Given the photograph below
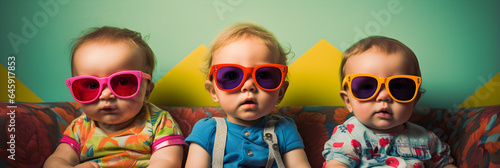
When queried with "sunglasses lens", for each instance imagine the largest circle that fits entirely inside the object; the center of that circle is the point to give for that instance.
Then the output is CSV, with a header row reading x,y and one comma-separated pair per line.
x,y
268,77
229,77
85,89
402,88
363,87
124,85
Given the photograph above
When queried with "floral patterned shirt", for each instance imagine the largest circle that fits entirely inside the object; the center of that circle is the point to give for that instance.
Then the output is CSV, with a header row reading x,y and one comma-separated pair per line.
x,y
355,145
130,148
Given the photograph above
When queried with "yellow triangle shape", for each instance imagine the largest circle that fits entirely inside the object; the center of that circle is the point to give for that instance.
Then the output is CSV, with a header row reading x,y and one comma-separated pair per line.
x,y
314,78
487,95
184,85
20,91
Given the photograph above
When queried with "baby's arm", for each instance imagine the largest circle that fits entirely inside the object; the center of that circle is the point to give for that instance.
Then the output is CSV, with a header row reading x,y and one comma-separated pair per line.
x,y
440,152
291,143
170,156
333,163
199,154
296,158
197,157
168,143
341,150
65,156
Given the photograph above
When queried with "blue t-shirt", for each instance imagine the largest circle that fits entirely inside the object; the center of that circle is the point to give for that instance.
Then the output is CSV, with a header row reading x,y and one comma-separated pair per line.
x,y
245,146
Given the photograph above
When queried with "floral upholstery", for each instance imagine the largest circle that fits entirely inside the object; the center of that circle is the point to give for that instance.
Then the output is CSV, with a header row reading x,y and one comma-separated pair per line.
x,y
38,129
473,133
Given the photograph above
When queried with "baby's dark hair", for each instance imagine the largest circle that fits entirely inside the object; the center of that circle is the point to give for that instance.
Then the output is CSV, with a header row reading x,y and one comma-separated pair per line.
x,y
384,44
113,34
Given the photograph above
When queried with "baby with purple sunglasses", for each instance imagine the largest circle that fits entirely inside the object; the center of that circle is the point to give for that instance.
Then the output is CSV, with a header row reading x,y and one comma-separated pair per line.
x,y
246,71
380,86
112,71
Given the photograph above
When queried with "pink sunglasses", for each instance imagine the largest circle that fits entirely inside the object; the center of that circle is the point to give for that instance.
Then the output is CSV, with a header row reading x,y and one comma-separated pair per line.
x,y
123,84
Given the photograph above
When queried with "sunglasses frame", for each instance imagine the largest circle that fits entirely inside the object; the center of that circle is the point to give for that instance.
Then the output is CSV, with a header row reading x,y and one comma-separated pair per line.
x,y
107,80
382,80
246,70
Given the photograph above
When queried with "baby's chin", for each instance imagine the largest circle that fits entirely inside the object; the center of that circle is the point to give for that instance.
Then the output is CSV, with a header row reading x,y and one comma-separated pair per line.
x,y
250,118
387,128
245,120
114,120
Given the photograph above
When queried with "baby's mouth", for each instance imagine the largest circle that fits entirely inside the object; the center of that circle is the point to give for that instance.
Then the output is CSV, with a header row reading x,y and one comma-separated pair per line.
x,y
108,109
384,113
248,102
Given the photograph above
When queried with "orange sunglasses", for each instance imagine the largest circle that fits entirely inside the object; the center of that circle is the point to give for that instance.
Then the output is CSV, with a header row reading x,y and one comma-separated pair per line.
x,y
401,88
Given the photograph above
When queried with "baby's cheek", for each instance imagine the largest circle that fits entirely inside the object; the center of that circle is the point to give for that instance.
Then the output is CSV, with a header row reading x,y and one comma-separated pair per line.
x,y
362,107
91,110
88,108
134,104
270,99
404,110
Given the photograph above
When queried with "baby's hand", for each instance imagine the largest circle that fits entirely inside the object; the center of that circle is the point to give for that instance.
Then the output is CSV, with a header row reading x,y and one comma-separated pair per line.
x,y
87,165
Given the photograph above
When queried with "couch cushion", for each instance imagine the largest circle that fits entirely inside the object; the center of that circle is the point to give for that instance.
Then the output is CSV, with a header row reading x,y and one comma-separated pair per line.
x,y
473,133
37,129
315,124
476,139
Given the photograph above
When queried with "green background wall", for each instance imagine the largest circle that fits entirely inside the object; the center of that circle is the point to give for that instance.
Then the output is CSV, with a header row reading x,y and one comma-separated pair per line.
x,y
456,42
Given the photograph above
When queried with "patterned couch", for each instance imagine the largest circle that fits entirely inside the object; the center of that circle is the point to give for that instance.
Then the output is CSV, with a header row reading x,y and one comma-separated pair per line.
x,y
472,133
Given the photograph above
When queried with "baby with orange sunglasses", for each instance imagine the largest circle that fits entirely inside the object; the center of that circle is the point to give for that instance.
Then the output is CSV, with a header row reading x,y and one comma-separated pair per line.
x,y
381,85
112,70
246,71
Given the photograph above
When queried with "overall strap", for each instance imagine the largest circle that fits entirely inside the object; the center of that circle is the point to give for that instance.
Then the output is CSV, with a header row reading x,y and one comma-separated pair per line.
x,y
272,141
219,143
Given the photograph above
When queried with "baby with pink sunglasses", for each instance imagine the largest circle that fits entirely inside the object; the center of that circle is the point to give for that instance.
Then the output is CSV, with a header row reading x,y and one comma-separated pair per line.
x,y
112,71
246,68
380,86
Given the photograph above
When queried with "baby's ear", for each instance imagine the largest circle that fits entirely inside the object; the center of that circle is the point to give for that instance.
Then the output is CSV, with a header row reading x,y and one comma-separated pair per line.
x,y
210,88
419,94
149,89
282,91
345,97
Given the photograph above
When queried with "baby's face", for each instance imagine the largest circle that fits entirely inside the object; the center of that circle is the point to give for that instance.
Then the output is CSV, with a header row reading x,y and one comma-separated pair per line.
x,y
101,60
381,114
249,103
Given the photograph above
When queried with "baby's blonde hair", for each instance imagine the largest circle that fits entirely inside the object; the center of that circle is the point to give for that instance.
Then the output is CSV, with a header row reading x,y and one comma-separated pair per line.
x,y
243,30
